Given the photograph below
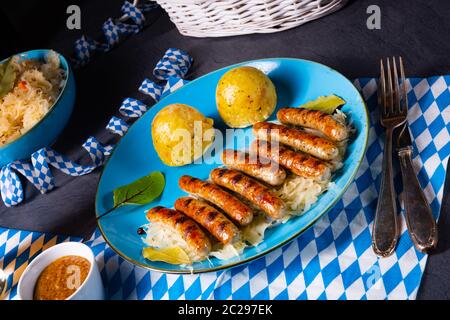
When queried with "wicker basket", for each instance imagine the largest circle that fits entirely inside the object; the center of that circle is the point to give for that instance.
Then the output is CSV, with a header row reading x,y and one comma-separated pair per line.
x,y
219,18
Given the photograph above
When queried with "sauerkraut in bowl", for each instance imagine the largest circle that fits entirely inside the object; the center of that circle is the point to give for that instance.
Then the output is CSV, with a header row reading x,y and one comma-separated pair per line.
x,y
34,87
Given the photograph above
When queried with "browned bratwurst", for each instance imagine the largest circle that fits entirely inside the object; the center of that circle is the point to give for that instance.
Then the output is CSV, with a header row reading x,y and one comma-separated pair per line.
x,y
210,218
231,205
185,226
251,190
299,163
314,119
269,172
319,147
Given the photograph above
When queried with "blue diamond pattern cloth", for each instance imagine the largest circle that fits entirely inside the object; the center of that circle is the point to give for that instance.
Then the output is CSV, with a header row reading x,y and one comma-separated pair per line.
x,y
331,260
112,32
38,170
117,126
132,108
175,62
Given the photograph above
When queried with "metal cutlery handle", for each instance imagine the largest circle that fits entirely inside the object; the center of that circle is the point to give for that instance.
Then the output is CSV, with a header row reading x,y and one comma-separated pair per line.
x,y
385,228
419,219
3,284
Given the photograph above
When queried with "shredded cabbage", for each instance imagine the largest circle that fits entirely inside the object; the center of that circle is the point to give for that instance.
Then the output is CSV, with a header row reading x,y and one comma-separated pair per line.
x,y
300,193
254,232
36,89
228,251
162,236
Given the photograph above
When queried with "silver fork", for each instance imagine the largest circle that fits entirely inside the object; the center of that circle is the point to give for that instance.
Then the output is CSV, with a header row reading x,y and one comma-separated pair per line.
x,y
393,111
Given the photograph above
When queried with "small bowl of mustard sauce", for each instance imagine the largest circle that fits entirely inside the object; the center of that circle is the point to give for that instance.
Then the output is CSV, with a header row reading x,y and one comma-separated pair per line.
x,y
66,271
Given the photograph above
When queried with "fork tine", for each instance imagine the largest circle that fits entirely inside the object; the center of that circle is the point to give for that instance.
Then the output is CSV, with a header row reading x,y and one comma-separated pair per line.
x,y
390,106
396,105
404,93
382,91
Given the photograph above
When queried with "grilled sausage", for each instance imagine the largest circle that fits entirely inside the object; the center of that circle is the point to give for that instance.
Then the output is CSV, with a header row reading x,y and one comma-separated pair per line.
x,y
314,119
231,205
251,190
210,218
299,163
269,172
186,227
319,147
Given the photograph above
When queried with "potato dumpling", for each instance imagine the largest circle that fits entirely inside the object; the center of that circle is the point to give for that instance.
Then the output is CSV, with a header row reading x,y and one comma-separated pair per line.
x,y
181,134
244,96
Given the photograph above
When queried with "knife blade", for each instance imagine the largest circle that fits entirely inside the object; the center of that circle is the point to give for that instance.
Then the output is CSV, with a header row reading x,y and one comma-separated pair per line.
x,y
419,219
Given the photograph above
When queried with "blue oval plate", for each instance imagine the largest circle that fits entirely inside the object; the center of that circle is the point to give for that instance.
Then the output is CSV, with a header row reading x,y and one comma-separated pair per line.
x,y
296,81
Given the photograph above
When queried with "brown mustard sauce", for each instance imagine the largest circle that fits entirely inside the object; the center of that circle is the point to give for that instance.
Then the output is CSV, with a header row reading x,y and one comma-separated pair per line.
x,y
61,278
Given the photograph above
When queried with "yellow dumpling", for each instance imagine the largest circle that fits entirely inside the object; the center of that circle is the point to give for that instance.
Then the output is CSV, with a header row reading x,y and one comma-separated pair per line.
x,y
244,96
181,134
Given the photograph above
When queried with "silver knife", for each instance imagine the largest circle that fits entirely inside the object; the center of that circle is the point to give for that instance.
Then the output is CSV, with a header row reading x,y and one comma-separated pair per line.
x,y
419,219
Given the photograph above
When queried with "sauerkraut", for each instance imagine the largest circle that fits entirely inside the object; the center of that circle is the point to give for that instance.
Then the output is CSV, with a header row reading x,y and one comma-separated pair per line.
x,y
300,193
231,250
162,236
36,88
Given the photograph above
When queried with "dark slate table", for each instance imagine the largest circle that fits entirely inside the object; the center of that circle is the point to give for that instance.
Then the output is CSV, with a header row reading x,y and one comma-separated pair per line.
x,y
417,30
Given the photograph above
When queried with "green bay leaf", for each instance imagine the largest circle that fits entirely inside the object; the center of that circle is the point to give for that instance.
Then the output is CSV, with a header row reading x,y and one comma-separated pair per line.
x,y
7,77
326,104
142,191
172,255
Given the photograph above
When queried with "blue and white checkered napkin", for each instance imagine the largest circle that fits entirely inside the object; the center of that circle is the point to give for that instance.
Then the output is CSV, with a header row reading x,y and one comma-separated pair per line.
x,y
331,260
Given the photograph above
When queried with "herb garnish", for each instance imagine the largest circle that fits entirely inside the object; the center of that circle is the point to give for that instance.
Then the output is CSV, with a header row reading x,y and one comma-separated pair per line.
x,y
142,191
7,77
326,104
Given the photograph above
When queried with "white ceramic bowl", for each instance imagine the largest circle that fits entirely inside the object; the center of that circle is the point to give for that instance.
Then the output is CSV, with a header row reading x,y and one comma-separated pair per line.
x,y
90,289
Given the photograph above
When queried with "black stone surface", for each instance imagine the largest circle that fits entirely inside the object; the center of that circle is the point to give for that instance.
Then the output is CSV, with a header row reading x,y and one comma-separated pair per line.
x,y
417,30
